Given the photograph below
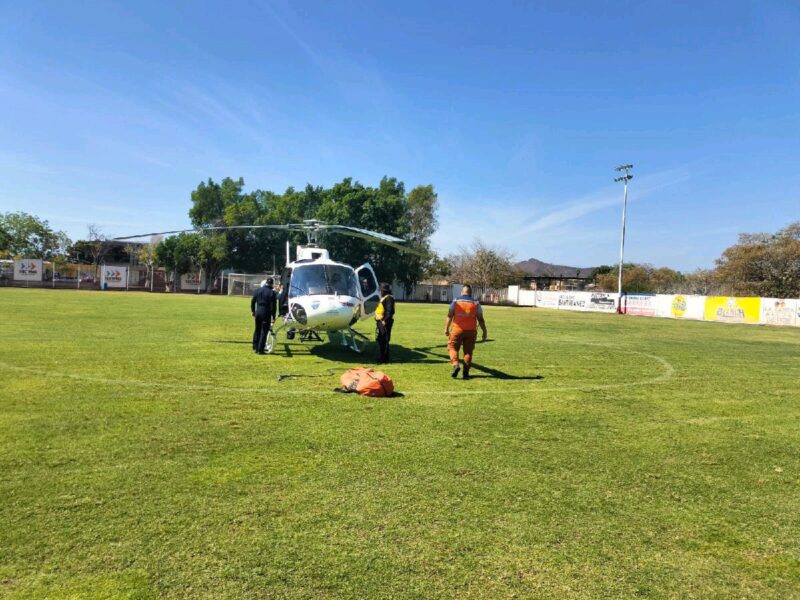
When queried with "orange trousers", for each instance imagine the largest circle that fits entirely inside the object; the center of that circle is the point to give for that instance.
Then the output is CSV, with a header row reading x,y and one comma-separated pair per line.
x,y
459,339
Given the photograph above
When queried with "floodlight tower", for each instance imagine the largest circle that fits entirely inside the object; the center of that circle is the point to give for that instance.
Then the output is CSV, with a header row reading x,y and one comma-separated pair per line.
x,y
624,179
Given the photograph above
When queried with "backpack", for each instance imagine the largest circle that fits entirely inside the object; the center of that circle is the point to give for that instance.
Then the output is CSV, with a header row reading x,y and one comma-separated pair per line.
x,y
367,382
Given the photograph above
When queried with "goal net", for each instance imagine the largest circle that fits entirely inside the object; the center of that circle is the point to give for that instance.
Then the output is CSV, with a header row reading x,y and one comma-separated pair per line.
x,y
244,284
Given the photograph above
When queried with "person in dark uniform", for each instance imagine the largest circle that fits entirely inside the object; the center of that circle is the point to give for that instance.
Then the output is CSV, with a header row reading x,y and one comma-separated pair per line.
x,y
263,306
384,319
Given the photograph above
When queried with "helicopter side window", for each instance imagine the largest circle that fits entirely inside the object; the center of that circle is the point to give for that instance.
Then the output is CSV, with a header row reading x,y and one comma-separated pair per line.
x,y
341,280
368,286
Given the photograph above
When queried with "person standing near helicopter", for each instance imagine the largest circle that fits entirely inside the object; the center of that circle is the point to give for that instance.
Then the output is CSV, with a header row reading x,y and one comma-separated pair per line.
x,y
384,320
263,307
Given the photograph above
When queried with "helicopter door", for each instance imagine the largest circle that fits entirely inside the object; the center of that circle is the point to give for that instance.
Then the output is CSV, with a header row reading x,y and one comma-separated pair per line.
x,y
370,292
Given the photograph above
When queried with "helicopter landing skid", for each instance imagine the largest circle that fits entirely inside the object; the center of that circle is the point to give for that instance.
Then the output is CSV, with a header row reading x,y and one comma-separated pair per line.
x,y
352,343
309,335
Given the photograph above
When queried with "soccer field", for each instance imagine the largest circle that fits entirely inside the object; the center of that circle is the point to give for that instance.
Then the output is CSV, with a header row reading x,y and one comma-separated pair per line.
x,y
145,451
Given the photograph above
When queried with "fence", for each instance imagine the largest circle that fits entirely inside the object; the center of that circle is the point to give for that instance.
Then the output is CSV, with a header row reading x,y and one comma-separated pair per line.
x,y
721,309
438,292
244,284
37,273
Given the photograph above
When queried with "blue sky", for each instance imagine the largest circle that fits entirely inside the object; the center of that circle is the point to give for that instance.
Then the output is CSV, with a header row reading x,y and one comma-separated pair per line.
x,y
111,113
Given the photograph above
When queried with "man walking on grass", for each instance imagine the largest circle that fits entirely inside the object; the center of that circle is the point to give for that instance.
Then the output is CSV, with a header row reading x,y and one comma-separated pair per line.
x,y
461,328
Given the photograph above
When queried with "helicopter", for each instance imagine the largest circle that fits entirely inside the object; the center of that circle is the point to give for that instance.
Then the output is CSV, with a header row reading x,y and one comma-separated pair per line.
x,y
320,294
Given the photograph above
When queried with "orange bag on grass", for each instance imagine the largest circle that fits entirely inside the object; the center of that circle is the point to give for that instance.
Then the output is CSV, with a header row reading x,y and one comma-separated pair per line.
x,y
367,382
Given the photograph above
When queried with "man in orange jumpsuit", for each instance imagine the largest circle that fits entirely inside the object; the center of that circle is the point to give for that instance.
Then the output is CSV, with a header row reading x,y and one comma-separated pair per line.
x,y
461,328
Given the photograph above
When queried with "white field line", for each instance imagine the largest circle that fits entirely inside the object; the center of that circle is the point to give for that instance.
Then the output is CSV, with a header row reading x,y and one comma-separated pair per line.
x,y
667,373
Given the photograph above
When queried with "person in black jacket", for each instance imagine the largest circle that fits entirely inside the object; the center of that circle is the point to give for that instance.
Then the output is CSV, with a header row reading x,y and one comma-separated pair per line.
x,y
384,320
263,306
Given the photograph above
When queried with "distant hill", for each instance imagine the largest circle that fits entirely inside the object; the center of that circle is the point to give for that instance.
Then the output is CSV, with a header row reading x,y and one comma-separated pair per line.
x,y
536,268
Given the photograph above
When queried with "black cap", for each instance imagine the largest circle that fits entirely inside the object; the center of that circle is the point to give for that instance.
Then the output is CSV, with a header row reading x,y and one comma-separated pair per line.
x,y
386,288
270,281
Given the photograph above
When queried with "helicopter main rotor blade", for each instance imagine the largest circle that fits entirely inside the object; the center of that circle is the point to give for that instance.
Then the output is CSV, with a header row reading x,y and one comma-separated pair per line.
x,y
372,236
290,227
308,227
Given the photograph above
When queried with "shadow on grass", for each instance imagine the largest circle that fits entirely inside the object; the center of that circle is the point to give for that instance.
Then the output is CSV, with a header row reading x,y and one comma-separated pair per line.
x,y
488,372
398,354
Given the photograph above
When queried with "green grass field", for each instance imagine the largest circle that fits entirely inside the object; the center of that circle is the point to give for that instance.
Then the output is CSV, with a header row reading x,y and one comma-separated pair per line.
x,y
145,452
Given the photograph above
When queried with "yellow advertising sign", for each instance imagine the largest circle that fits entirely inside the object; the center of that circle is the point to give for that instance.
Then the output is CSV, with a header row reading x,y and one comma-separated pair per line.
x,y
678,307
732,310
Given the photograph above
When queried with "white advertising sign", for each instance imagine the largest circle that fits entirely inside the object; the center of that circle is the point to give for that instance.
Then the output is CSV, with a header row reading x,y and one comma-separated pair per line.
x,y
777,311
28,269
601,302
115,277
192,281
643,305
680,306
547,299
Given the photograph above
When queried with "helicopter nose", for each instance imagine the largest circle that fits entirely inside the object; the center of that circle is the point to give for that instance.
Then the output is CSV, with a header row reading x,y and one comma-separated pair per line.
x,y
329,314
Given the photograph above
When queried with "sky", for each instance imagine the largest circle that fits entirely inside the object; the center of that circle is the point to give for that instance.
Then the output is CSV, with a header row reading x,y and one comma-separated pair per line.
x,y
517,112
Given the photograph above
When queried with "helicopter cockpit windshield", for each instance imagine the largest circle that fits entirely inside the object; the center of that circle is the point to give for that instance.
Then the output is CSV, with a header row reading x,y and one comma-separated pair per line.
x,y
309,280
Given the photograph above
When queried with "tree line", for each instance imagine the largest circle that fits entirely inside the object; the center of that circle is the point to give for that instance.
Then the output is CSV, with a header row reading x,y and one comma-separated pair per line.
x,y
386,208
759,264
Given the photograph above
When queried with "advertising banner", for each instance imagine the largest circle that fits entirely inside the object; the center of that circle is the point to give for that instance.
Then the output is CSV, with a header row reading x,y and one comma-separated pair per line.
x,y
547,299
28,269
602,302
778,311
115,277
643,305
192,281
727,309
573,300
680,306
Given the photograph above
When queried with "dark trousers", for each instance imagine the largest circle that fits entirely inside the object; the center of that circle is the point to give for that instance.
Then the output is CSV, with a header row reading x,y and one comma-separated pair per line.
x,y
263,323
384,336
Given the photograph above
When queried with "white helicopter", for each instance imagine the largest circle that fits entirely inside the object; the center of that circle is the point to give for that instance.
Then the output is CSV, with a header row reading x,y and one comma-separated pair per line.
x,y
319,294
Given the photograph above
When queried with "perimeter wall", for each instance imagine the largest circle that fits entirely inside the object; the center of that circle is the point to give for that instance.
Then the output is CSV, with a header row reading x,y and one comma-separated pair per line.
x,y
723,309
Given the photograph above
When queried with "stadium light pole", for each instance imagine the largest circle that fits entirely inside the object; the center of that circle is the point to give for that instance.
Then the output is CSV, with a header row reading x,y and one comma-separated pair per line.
x,y
625,178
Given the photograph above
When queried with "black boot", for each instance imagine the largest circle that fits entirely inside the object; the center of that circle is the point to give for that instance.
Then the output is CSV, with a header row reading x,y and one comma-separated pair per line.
x,y
456,369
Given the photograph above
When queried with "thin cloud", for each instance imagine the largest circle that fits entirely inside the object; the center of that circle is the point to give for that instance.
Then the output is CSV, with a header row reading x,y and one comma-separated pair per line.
x,y
606,198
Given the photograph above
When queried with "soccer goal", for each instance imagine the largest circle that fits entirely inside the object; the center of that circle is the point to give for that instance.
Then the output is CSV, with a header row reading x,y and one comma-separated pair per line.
x,y
244,284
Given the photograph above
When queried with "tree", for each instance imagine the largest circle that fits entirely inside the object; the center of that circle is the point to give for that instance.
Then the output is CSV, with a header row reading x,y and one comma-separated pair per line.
x,y
146,255
702,282
422,221
381,209
168,256
762,264
25,236
191,252
484,266
636,278
96,245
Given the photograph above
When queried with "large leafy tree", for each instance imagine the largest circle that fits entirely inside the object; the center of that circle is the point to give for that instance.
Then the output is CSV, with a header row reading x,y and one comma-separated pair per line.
x,y
385,208
25,236
381,209
422,221
763,264
636,278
